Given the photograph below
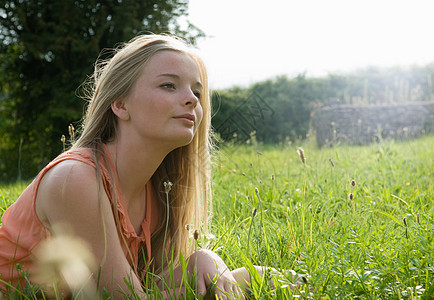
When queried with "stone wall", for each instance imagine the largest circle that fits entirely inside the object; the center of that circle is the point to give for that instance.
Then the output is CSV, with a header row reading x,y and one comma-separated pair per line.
x,y
359,125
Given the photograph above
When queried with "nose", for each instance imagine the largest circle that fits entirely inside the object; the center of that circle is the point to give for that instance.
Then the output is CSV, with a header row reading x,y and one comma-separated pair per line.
x,y
191,99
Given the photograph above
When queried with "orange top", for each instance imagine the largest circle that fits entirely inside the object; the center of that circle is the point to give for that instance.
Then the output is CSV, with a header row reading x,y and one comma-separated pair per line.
x,y
22,230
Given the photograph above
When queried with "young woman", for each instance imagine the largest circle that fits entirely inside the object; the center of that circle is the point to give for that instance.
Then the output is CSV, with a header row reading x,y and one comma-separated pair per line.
x,y
145,136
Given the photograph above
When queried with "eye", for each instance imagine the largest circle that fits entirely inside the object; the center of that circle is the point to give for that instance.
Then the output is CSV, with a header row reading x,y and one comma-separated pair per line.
x,y
197,94
169,86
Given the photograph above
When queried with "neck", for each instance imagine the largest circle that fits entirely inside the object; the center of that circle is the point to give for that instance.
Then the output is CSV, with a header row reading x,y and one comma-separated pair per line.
x,y
135,164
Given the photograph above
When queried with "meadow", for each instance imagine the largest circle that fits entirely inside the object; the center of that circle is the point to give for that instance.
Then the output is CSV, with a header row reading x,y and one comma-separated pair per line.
x,y
356,221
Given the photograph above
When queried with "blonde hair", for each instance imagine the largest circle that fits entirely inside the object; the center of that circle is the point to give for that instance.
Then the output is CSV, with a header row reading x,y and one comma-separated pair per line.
x,y
187,167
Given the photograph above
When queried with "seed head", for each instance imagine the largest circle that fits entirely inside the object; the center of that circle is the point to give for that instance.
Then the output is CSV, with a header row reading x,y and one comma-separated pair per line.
x,y
63,139
353,182
66,261
300,152
254,212
405,222
71,130
351,196
196,235
167,186
257,192
331,162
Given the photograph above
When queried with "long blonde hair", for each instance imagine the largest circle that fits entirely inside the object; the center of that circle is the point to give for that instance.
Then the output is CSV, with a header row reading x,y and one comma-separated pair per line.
x,y
187,167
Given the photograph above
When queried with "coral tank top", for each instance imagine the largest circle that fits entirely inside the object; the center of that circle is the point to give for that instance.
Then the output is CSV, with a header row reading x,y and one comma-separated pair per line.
x,y
21,230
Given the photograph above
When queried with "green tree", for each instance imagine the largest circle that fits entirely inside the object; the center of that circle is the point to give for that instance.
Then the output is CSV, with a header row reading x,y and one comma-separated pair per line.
x,y
47,49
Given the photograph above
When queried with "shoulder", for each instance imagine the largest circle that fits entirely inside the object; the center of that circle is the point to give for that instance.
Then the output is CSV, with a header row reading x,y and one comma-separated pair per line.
x,y
66,187
68,174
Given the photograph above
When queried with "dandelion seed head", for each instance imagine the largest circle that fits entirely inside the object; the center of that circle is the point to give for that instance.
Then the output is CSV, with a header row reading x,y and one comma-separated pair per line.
x,y
63,260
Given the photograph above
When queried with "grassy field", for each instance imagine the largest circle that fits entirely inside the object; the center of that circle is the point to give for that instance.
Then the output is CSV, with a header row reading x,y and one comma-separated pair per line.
x,y
357,222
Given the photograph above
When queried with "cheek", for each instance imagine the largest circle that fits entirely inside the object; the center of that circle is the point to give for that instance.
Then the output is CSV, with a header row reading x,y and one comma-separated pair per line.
x,y
199,114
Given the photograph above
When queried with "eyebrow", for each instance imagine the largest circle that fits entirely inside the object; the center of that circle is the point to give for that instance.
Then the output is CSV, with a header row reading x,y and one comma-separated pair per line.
x,y
198,83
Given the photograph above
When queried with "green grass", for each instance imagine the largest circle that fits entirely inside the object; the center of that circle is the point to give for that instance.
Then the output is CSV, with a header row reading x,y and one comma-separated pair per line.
x,y
305,220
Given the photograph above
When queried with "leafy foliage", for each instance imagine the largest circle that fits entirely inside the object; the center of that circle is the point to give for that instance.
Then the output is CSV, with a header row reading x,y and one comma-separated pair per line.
x,y
47,48
292,100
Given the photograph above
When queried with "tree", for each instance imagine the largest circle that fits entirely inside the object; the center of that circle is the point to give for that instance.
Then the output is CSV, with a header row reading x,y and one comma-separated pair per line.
x,y
47,49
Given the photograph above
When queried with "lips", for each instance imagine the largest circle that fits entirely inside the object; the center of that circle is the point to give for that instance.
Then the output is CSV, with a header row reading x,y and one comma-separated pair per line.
x,y
190,117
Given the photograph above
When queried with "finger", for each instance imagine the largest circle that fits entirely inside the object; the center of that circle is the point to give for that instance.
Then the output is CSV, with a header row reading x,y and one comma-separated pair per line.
x,y
237,292
221,291
201,287
232,291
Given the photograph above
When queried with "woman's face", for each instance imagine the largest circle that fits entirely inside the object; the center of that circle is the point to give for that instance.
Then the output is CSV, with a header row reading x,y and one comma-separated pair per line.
x,y
163,104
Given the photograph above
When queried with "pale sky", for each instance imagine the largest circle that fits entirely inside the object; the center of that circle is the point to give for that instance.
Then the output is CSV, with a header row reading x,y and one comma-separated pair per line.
x,y
254,40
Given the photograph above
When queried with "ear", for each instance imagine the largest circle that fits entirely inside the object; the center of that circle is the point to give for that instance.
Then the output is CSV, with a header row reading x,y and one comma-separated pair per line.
x,y
120,109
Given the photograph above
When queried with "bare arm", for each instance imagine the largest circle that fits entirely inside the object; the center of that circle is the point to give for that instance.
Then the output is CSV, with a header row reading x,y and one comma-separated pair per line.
x,y
68,195
212,276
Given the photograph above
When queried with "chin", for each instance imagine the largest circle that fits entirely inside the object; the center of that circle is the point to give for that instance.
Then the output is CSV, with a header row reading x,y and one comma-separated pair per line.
x,y
184,140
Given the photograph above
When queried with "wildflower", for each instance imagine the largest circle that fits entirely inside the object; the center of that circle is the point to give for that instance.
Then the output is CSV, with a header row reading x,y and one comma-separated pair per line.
x,y
63,139
353,182
257,191
196,235
187,227
300,152
167,186
210,236
351,196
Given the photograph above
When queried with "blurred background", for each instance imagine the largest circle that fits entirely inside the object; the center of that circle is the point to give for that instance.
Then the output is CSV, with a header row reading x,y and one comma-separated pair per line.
x,y
338,71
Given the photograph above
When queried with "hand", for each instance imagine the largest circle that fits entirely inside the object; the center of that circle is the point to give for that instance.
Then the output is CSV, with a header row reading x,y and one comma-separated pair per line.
x,y
242,276
214,277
